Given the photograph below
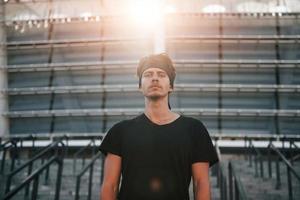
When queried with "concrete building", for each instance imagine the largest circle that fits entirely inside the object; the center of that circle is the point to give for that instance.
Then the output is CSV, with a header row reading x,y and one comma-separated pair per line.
x,y
69,66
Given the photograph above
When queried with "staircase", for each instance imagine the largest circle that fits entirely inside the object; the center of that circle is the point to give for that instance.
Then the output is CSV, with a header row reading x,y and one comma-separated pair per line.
x,y
256,187
264,188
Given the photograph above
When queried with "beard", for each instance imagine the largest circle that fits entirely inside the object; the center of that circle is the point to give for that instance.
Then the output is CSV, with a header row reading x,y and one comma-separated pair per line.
x,y
154,96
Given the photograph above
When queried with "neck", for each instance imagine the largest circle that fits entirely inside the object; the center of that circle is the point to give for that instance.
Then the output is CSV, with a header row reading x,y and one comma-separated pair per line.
x,y
158,109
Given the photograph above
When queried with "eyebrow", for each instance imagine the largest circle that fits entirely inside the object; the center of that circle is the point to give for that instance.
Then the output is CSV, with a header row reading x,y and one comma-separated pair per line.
x,y
159,72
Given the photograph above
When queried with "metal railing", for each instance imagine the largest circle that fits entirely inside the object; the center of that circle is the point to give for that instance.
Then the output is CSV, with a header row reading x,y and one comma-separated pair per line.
x,y
236,188
293,148
290,170
14,144
221,175
35,178
8,146
90,167
82,150
29,164
257,158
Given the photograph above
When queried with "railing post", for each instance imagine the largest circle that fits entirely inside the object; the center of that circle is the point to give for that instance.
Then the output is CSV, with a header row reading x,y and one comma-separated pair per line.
x,y
269,162
28,173
221,186
261,167
60,162
256,167
283,140
3,160
250,153
77,188
93,147
102,168
8,183
225,188
32,147
42,162
230,181
236,191
289,179
47,175
21,147
67,146
83,161
13,157
90,181
35,188
278,182
218,175
214,171
58,178
74,164
245,147
291,152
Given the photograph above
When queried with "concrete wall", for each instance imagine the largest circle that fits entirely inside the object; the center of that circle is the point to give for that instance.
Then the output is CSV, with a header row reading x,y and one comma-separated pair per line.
x,y
4,124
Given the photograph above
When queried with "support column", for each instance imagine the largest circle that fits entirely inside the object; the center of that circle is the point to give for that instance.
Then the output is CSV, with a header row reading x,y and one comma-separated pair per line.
x,y
4,121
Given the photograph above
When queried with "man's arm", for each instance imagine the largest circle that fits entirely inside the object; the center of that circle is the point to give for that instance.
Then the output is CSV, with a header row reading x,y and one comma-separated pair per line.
x,y
112,173
200,173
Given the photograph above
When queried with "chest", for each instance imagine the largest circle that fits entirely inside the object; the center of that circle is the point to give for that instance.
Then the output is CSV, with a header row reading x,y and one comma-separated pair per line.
x,y
157,144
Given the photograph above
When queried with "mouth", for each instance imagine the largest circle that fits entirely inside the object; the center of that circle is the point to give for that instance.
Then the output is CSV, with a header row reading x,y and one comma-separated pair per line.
x,y
155,86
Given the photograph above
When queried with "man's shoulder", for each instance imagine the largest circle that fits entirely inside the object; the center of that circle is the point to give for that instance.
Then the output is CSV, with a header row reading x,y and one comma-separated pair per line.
x,y
127,122
193,124
191,120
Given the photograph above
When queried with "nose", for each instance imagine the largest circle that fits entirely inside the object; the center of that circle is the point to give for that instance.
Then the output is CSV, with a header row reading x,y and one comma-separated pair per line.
x,y
155,77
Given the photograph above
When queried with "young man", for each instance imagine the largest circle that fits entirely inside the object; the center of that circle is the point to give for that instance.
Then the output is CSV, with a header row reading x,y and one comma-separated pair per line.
x,y
158,151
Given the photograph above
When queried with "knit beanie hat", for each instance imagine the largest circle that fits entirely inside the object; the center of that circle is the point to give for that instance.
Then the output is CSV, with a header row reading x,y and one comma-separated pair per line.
x,y
161,61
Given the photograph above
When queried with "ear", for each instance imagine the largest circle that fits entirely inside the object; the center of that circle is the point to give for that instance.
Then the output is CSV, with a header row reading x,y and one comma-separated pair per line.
x,y
140,89
171,89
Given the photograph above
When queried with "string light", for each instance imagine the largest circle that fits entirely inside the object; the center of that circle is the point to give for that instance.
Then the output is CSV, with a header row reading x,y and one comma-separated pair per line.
x,y
86,16
38,25
23,29
46,24
16,27
30,24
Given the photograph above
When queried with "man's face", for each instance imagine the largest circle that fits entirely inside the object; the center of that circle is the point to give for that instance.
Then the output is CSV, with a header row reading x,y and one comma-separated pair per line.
x,y
155,83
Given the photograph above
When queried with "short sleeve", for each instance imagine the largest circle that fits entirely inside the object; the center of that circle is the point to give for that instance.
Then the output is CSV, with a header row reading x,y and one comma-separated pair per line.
x,y
202,146
112,141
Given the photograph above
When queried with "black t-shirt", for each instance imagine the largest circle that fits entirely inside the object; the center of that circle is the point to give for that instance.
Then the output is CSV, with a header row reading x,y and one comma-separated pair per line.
x,y
157,159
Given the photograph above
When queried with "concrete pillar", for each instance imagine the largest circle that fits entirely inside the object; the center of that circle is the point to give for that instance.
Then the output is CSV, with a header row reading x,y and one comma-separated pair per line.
x,y
4,121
